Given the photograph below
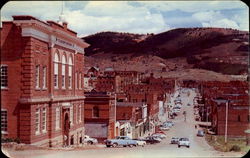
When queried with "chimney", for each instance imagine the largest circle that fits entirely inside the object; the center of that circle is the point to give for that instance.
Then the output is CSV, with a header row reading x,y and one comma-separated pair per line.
x,y
65,25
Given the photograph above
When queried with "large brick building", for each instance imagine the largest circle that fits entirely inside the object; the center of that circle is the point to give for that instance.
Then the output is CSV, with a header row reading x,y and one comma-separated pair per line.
x,y
99,115
42,95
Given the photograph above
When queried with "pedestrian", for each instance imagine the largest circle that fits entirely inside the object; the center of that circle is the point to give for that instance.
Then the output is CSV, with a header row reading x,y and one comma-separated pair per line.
x,y
195,126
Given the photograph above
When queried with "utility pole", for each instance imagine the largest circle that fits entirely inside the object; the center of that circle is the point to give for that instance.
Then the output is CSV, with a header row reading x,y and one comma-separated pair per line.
x,y
226,121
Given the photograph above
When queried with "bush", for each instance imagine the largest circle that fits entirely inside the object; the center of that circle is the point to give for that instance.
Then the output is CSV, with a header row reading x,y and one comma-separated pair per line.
x,y
235,148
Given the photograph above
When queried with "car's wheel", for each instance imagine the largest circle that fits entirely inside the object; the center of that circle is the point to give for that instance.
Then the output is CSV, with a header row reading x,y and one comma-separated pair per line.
x,y
188,146
89,142
108,146
115,145
131,145
124,145
179,146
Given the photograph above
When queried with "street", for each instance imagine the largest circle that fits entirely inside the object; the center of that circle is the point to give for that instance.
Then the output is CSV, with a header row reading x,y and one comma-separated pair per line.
x,y
182,128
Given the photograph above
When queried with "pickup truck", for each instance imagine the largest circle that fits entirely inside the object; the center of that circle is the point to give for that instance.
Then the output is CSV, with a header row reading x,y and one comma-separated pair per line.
x,y
120,141
87,139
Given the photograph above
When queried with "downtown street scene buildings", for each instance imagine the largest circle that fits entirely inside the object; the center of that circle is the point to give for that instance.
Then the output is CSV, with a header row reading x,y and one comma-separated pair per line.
x,y
50,99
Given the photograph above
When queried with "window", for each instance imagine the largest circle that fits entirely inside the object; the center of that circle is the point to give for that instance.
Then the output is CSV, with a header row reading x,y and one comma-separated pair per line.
x,y
238,118
95,111
80,79
76,81
71,115
70,72
63,70
56,61
4,76
44,77
37,76
37,121
44,119
80,113
58,118
4,121
70,76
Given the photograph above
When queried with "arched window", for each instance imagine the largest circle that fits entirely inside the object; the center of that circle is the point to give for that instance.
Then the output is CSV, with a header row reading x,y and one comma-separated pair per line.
x,y
63,70
95,111
70,71
56,61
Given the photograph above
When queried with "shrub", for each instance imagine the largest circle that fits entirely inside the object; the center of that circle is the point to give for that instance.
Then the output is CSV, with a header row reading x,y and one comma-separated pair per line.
x,y
235,148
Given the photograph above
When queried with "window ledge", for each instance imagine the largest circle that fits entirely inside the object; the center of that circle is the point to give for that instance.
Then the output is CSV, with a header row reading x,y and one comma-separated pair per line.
x,y
4,88
37,133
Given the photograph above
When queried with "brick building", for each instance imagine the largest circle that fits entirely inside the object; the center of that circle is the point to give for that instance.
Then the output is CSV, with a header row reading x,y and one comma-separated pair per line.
x,y
99,115
42,96
215,97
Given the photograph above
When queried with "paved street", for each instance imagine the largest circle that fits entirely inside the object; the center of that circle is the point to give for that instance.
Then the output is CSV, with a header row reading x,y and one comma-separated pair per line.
x,y
198,147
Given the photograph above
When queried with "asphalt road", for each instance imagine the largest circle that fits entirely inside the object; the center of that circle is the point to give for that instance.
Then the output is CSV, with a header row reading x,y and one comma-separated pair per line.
x,y
182,128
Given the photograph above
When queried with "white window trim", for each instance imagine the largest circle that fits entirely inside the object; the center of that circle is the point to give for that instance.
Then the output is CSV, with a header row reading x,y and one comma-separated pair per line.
x,y
70,67
44,77
5,87
4,132
71,113
37,75
80,113
45,126
57,76
37,132
58,118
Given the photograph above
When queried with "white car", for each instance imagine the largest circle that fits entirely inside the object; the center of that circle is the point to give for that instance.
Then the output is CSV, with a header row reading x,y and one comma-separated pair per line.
x,y
164,128
140,142
160,135
183,142
87,139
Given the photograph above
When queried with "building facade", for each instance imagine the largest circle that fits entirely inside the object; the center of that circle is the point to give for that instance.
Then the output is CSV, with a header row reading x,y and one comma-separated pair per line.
x,y
41,82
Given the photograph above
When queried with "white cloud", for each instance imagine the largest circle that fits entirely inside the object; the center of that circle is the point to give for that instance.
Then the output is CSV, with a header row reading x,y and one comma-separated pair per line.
x,y
215,19
193,6
96,16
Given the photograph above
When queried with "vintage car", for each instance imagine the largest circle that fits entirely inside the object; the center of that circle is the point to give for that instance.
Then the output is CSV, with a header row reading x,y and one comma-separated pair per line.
x,y
140,142
174,140
183,142
121,141
152,140
87,139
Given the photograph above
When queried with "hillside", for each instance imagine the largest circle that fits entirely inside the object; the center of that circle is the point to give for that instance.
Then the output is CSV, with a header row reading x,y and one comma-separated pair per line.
x,y
214,49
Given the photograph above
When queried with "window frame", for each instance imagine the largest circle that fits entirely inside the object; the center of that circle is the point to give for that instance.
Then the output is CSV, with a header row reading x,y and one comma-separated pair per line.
x,y
5,119
37,121
4,78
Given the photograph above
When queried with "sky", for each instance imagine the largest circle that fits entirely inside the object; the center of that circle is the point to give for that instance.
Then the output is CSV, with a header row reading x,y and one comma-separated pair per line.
x,y
90,17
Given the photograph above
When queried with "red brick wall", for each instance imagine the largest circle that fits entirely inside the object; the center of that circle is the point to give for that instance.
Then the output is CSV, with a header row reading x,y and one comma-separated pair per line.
x,y
11,44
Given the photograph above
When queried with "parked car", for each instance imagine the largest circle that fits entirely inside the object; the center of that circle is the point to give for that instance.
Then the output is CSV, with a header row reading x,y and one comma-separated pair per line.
x,y
176,110
200,133
160,135
188,104
152,140
174,140
140,142
120,141
168,123
164,128
183,142
87,139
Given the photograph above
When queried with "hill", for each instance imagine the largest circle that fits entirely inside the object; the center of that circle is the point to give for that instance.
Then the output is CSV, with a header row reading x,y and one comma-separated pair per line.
x,y
214,49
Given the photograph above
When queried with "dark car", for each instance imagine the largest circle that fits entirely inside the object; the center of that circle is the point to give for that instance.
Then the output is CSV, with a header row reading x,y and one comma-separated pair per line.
x,y
200,133
151,140
174,140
